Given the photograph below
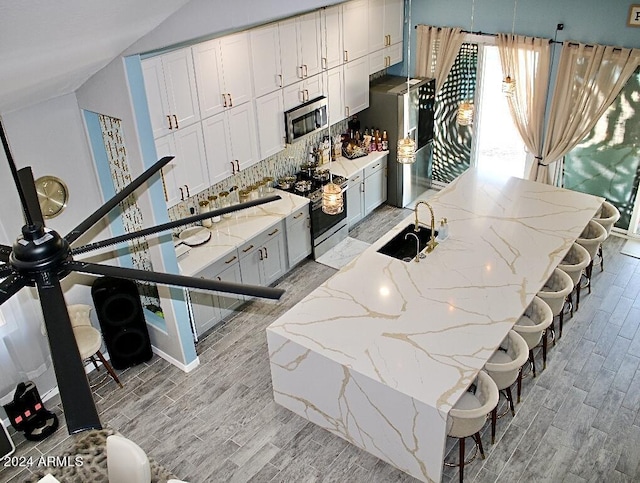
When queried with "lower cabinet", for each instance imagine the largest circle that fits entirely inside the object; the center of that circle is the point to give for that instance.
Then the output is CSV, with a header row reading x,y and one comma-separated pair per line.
x,y
367,189
298,228
263,260
209,308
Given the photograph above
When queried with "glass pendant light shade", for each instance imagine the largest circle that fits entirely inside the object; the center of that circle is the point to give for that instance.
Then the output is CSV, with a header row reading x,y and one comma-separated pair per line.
x,y
332,199
406,151
465,113
508,86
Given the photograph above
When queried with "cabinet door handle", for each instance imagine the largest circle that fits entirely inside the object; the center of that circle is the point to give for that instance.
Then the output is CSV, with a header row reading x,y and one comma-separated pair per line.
x,y
175,118
233,168
300,72
308,222
306,73
261,255
266,253
181,194
306,95
346,56
219,279
187,188
356,178
230,100
346,110
301,96
273,232
224,100
231,259
280,80
295,217
362,187
324,63
376,166
245,250
237,166
170,123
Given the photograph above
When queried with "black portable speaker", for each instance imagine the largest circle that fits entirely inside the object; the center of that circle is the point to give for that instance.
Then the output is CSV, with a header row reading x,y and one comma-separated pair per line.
x,y
122,321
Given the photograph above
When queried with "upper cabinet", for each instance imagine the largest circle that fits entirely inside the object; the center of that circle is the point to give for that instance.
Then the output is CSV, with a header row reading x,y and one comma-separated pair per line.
x,y
172,97
300,47
223,69
355,28
332,44
393,21
265,56
385,33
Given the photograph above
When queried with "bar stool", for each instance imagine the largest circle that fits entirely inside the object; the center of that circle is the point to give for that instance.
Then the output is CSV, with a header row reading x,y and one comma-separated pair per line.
x,y
591,238
607,216
573,264
532,326
467,417
554,292
504,368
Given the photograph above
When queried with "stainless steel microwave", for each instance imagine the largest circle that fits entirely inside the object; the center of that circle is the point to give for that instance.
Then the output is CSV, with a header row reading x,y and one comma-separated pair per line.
x,y
306,118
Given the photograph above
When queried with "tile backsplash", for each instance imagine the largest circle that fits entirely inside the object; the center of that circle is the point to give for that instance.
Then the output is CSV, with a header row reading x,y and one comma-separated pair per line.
x,y
286,162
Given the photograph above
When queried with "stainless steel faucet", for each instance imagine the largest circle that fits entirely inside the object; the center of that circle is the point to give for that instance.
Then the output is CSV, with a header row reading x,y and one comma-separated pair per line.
x,y
432,240
418,254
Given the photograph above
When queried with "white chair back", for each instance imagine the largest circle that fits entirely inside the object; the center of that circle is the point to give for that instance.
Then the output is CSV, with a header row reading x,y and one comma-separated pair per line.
x,y
535,320
463,422
126,461
504,365
608,216
574,262
591,237
555,290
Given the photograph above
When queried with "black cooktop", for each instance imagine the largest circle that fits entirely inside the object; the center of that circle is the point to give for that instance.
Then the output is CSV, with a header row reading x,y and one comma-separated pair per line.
x,y
314,192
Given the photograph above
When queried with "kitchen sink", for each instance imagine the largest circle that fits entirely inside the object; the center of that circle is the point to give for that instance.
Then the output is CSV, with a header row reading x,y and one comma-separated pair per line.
x,y
403,249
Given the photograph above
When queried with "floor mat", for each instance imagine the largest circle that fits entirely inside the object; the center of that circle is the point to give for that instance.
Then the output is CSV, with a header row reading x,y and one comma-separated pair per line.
x,y
631,248
343,253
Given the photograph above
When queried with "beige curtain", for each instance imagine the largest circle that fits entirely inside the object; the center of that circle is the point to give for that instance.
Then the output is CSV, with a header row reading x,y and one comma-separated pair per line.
x,y
527,60
588,81
437,51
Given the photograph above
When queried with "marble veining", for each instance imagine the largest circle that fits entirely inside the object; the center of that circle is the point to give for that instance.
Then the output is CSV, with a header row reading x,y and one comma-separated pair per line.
x,y
414,335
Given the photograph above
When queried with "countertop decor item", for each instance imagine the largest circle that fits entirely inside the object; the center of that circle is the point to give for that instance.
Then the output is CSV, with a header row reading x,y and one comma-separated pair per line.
x,y
53,195
407,146
195,236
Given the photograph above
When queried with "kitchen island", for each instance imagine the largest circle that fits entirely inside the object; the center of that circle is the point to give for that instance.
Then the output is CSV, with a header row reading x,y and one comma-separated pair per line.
x,y
381,351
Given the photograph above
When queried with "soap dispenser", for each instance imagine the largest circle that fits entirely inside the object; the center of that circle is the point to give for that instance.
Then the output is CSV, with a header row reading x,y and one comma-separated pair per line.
x,y
443,230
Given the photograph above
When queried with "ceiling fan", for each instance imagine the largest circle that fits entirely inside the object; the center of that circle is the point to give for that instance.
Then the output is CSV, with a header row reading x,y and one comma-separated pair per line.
x,y
40,257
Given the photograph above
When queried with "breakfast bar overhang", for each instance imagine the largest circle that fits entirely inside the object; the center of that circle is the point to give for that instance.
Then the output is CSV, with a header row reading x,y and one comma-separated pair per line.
x,y
382,350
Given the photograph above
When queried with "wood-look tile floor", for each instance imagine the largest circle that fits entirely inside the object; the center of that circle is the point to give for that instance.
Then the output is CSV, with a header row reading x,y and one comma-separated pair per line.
x,y
578,421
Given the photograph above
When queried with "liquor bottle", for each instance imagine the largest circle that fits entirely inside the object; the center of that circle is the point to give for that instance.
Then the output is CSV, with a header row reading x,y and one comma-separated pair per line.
x,y
385,141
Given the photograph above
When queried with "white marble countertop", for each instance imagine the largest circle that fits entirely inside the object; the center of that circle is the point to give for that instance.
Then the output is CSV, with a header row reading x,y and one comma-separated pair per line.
x,y
348,167
426,329
230,233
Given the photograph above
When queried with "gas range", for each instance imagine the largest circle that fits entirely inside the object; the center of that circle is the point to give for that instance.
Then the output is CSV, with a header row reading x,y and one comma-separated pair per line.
x,y
315,192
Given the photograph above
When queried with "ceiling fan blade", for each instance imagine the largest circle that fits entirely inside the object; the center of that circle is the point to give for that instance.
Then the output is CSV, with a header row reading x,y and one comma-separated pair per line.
x,y
9,286
5,251
33,211
77,401
172,224
115,200
180,280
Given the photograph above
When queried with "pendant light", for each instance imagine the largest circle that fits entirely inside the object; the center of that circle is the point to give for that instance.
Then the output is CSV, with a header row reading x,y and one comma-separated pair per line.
x,y
332,199
466,108
406,153
509,83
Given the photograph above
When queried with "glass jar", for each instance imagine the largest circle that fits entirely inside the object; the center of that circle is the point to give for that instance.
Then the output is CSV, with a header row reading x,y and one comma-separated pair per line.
x,y
225,202
234,199
213,205
204,208
262,188
253,188
245,195
268,184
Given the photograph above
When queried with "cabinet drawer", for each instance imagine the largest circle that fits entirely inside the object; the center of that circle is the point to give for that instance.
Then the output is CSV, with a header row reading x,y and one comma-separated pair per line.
x,y
297,217
248,248
375,167
356,178
219,265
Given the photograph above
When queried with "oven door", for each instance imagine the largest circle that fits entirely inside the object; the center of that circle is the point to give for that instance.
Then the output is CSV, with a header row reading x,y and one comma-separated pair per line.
x,y
327,230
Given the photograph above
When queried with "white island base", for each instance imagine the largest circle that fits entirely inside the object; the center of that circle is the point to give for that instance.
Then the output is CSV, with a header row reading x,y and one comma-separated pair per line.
x,y
381,351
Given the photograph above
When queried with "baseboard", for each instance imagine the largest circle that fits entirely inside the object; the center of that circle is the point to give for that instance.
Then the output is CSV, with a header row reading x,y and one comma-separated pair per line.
x,y
186,368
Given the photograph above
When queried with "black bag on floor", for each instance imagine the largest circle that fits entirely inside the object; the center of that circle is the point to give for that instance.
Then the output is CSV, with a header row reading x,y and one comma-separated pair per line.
x,y
27,413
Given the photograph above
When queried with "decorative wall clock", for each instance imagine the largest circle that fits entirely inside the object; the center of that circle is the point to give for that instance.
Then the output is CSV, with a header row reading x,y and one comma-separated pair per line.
x,y
53,195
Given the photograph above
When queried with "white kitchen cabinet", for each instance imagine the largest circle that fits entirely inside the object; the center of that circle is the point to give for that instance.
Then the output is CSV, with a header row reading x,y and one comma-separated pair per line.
x,y
209,308
304,90
217,143
298,232
375,185
187,174
263,258
355,29
270,123
170,86
381,59
356,86
242,133
265,56
367,189
223,73
385,23
332,44
335,94
300,47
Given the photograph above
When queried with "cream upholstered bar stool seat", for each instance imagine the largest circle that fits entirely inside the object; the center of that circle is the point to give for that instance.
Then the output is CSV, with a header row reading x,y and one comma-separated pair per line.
x,y
468,416
532,326
573,264
504,368
607,216
591,238
554,292
88,338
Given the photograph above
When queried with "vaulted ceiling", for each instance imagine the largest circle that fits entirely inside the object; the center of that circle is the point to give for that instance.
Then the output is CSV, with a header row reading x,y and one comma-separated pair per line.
x,y
50,48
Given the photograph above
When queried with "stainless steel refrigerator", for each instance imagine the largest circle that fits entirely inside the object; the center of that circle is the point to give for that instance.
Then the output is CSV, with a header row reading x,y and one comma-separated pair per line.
x,y
387,102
